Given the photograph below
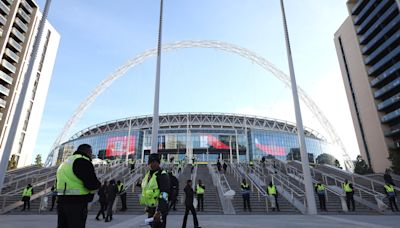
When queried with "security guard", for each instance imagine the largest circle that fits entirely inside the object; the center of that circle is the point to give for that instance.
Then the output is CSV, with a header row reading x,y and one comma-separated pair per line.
x,y
122,195
273,195
76,183
200,190
320,189
26,197
155,188
391,194
348,189
245,187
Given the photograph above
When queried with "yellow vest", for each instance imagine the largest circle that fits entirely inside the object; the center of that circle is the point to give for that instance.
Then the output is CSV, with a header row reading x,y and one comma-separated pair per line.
x,y
150,191
244,185
271,190
347,188
120,187
67,182
27,192
389,188
199,190
320,187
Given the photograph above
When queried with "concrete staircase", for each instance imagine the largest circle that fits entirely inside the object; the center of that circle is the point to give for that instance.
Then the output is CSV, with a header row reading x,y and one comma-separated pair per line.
x,y
212,203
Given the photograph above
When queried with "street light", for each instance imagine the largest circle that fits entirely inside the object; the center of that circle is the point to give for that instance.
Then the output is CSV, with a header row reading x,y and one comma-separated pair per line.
x,y
311,207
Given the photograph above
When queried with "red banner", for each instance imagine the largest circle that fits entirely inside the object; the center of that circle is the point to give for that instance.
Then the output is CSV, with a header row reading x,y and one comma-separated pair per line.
x,y
275,150
217,144
118,146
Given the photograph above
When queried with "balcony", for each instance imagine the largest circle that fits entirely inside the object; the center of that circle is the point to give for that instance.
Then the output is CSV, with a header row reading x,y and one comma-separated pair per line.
x,y
2,103
21,24
395,38
366,12
389,102
4,90
12,55
391,116
3,20
18,34
27,7
385,75
389,28
24,15
9,1
5,77
377,67
15,44
8,66
387,88
358,7
4,8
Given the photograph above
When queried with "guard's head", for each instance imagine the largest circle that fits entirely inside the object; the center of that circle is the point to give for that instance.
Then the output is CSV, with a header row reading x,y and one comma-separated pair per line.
x,y
154,161
244,180
200,181
345,181
270,183
85,149
119,182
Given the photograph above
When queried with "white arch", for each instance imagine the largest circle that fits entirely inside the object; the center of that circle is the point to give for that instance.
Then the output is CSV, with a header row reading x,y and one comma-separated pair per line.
x,y
219,45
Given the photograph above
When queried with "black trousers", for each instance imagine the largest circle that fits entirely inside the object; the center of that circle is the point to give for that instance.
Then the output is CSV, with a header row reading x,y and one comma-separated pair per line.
x,y
246,201
72,215
350,198
392,201
322,202
103,209
53,201
123,201
27,202
195,221
276,203
200,202
150,213
110,204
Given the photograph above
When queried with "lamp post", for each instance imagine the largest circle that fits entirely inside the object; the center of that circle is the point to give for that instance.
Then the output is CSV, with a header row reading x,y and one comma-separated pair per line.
x,y
311,207
155,126
21,100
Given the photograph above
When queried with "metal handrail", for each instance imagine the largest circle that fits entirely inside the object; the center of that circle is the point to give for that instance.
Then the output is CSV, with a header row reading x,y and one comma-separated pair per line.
x,y
225,201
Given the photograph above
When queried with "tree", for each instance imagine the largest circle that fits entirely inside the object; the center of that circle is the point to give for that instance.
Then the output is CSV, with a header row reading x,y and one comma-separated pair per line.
x,y
38,160
361,167
394,156
327,159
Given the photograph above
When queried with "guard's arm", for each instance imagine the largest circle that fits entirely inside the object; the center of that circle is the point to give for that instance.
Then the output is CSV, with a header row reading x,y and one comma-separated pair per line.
x,y
163,185
84,170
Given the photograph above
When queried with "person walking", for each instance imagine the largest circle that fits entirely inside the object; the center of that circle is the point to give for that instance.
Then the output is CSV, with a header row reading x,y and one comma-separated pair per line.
x,y
225,167
132,165
76,183
348,189
320,190
111,194
388,178
273,196
174,192
391,194
245,187
155,189
122,195
189,195
219,166
26,197
53,196
200,190
102,200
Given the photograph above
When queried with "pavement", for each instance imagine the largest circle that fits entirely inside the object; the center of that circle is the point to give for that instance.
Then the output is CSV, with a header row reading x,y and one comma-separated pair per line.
x,y
219,221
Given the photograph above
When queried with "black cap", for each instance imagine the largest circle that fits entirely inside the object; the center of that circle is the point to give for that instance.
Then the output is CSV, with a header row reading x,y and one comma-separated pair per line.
x,y
154,157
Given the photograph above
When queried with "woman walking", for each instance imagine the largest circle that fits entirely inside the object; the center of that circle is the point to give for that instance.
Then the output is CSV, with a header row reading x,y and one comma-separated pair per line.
x,y
102,200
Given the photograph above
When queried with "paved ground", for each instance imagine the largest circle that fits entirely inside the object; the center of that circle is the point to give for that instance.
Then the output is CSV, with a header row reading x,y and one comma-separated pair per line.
x,y
220,221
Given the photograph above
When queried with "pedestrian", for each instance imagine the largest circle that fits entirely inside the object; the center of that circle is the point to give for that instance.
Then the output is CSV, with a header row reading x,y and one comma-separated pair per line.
x,y
388,178
189,195
132,165
219,166
225,167
174,192
76,181
122,195
200,189
102,200
155,189
273,196
348,189
320,190
26,197
245,187
111,194
53,196
391,194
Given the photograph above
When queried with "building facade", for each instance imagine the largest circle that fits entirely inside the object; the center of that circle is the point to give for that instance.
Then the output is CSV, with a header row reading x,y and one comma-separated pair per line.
x,y
19,20
205,136
368,49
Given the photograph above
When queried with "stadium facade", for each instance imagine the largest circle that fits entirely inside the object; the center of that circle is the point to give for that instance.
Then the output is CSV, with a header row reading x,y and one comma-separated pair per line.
x,y
205,136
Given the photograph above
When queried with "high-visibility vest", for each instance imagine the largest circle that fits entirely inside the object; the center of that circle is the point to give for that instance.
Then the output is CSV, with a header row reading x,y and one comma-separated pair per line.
x,y
150,191
346,187
320,187
120,187
67,182
244,186
199,190
27,192
389,188
271,190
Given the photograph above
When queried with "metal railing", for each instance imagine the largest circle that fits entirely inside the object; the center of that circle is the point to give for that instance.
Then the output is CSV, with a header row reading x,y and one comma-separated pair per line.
x,y
224,190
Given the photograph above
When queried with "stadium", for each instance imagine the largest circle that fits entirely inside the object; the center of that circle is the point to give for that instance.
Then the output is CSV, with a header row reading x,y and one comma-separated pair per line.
x,y
204,136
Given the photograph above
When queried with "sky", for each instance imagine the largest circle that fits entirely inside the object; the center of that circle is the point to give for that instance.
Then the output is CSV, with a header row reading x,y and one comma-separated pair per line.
x,y
98,37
